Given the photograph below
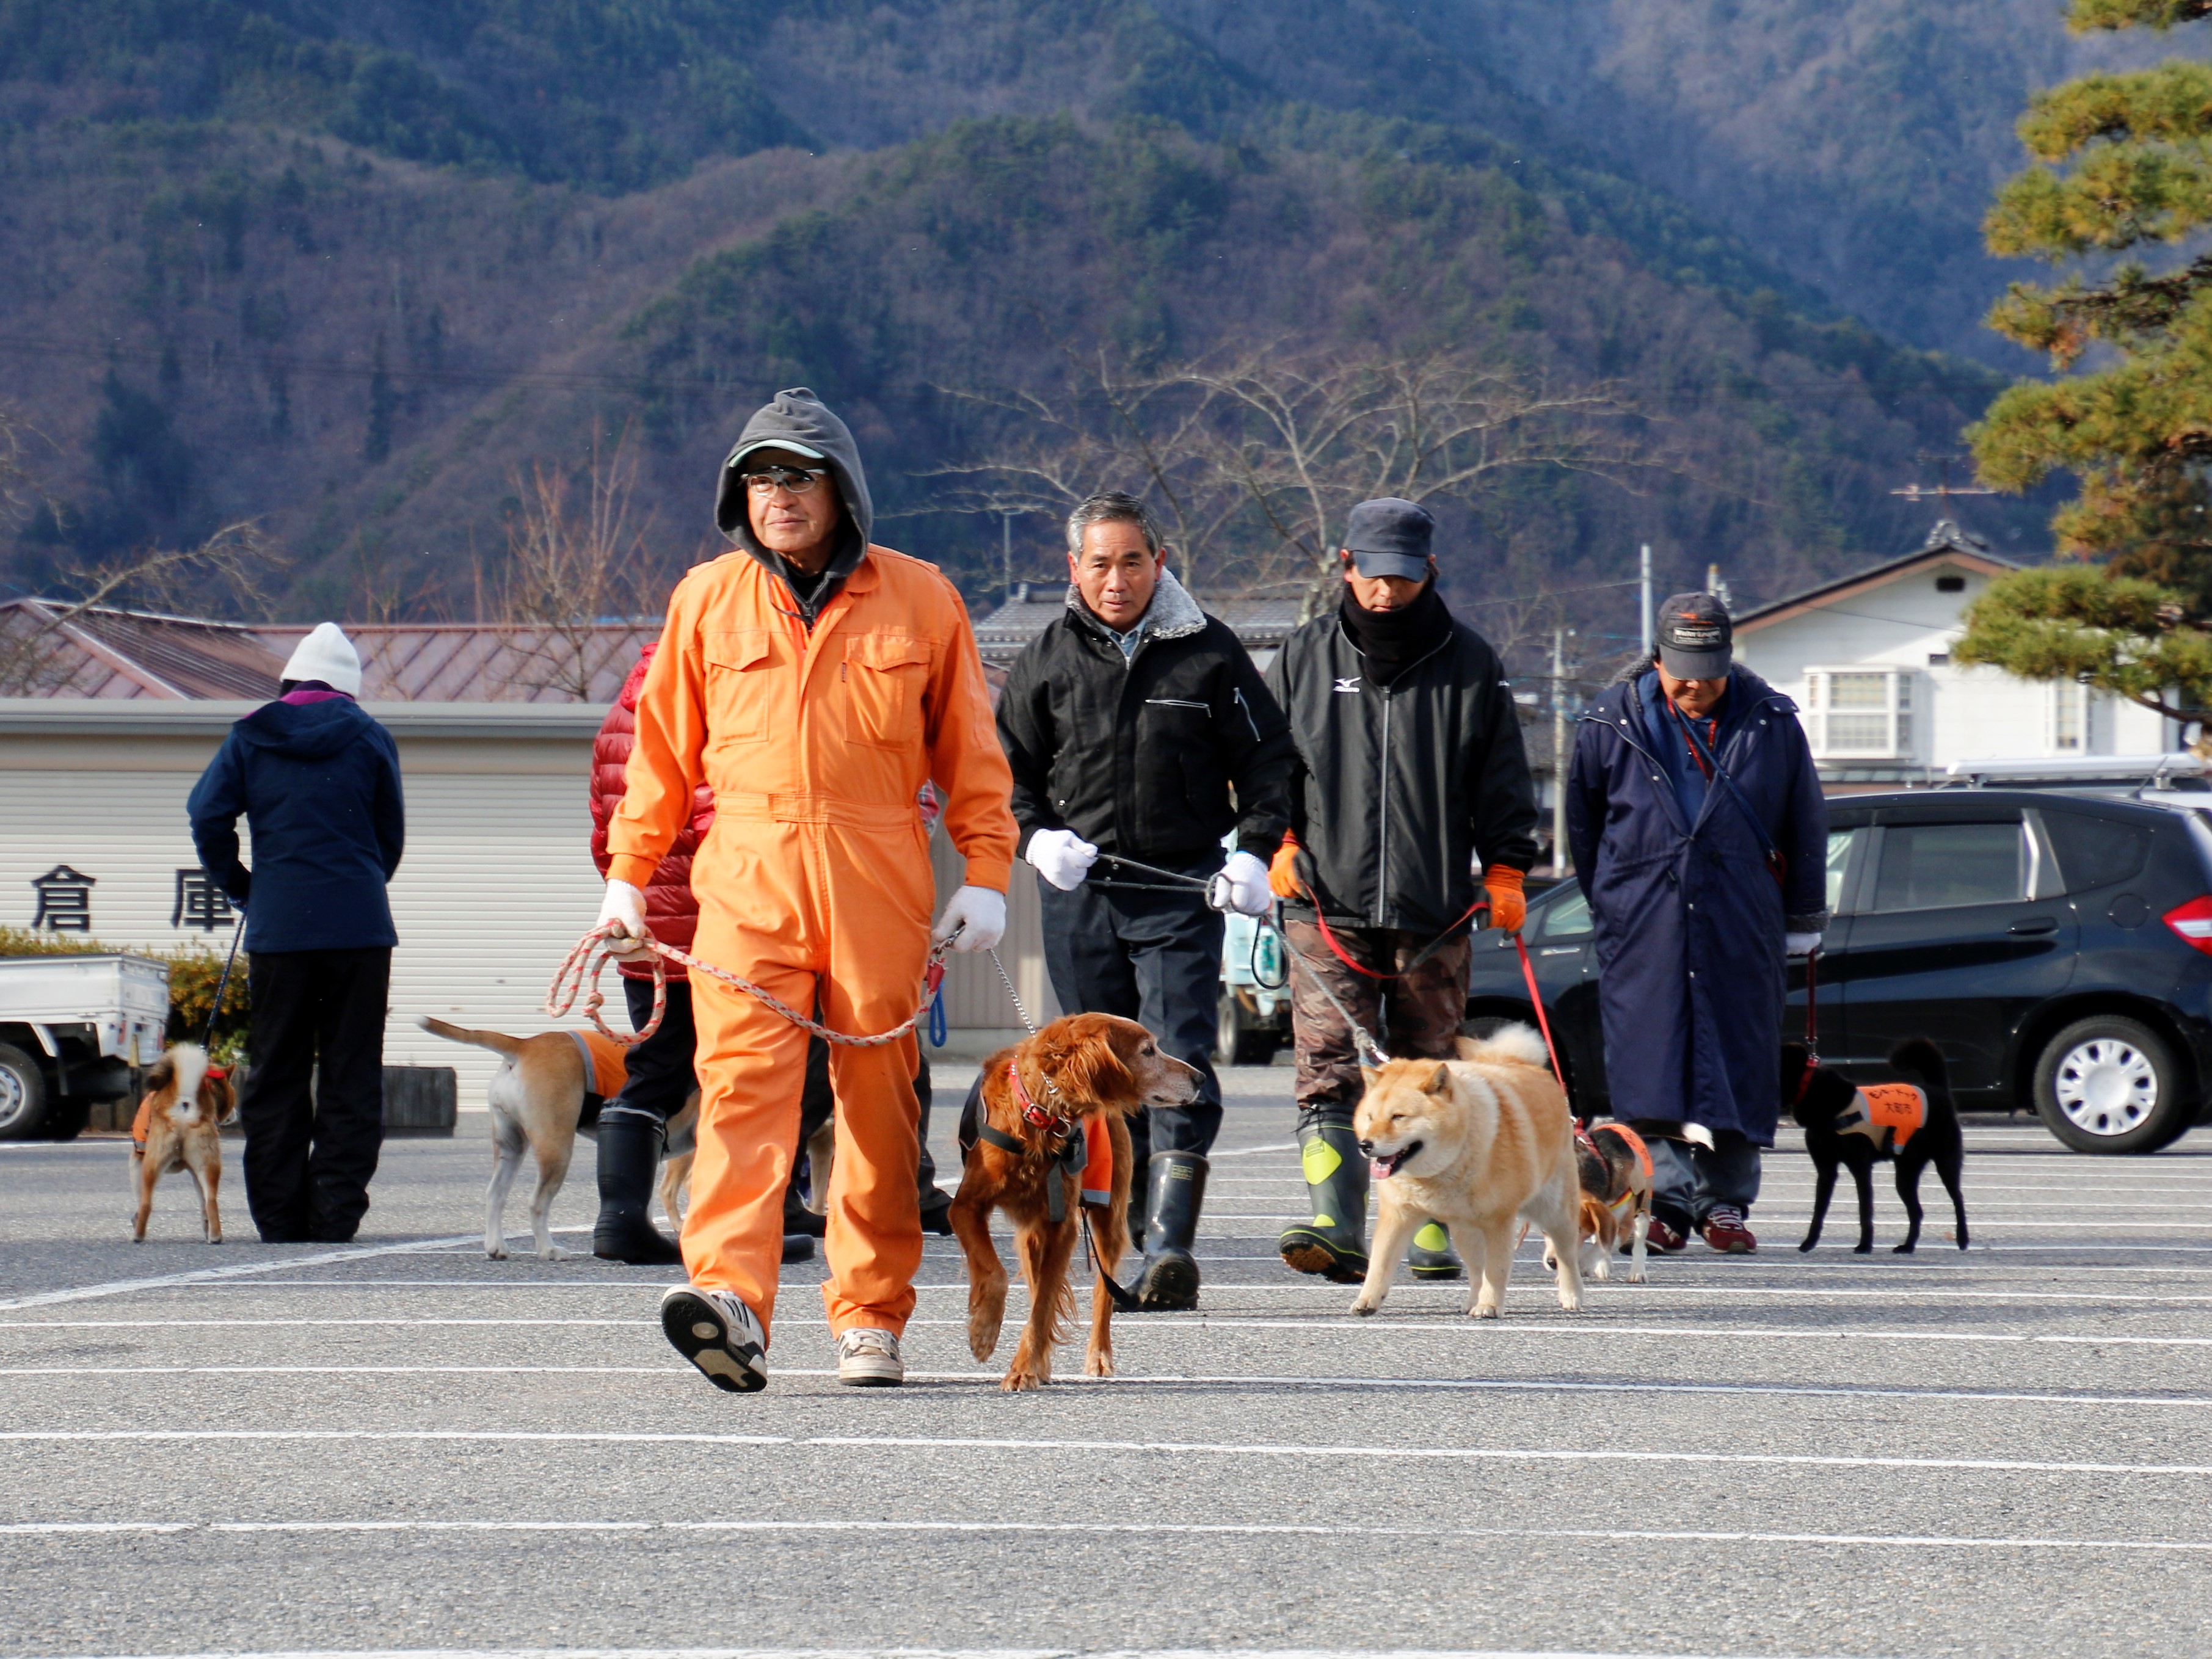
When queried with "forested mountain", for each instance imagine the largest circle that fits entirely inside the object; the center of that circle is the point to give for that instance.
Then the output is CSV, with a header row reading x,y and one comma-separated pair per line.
x,y
356,268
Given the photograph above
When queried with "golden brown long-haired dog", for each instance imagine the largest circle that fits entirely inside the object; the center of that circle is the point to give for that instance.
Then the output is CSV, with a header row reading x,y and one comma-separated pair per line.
x,y
1475,1143
1042,1094
176,1129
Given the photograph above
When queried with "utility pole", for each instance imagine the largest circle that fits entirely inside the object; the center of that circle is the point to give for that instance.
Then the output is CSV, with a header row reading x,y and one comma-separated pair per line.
x,y
1007,548
1714,585
1644,585
1560,859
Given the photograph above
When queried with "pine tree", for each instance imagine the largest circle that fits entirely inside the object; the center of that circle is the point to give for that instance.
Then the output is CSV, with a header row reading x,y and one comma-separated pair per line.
x,y
2123,171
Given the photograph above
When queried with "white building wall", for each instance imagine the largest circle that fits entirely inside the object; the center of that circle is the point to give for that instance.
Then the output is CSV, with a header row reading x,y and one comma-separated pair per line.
x,y
1959,714
496,884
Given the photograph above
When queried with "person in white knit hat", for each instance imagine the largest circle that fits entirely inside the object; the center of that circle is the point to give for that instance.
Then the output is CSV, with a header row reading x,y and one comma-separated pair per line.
x,y
317,781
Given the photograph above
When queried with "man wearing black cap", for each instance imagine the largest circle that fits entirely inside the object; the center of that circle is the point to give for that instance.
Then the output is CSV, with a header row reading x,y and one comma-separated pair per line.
x,y
1411,778
1700,839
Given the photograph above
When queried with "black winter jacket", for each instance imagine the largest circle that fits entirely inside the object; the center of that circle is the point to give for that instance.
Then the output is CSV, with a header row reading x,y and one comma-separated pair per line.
x,y
1138,755
1395,790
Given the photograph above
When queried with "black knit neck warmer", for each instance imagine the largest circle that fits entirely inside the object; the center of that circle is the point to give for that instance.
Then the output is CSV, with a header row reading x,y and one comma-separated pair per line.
x,y
1393,641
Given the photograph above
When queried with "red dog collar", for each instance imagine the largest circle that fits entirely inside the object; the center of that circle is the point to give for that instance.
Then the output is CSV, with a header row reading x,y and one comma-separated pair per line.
x,y
1035,1114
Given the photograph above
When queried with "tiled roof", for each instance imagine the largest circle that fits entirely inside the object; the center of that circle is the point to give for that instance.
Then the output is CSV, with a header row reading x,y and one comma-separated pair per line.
x,y
107,653
1002,634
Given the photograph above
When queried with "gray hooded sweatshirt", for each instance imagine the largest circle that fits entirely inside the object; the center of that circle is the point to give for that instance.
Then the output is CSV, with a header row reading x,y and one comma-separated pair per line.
x,y
798,420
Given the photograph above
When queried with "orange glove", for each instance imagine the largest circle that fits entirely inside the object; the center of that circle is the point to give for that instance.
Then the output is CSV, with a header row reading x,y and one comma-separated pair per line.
x,y
1509,906
1283,869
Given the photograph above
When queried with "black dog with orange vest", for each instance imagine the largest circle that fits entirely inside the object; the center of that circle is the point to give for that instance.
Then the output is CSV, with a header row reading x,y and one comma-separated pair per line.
x,y
1849,1125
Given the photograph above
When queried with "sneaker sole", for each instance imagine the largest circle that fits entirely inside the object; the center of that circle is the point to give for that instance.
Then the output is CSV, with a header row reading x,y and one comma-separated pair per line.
x,y
1306,1253
696,1328
1454,1272
873,1379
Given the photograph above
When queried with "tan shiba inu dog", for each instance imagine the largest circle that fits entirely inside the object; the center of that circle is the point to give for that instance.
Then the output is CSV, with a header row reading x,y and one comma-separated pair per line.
x,y
1476,1143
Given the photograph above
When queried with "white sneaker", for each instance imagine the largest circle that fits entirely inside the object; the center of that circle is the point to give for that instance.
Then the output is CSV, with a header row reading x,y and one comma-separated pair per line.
x,y
716,1332
868,1358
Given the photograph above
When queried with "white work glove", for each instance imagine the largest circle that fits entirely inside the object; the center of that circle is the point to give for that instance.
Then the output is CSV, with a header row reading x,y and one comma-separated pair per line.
x,y
1800,944
1241,885
624,906
978,914
1061,857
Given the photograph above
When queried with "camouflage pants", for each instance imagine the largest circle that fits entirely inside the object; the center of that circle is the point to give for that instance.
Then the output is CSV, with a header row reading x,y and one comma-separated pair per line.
x,y
1416,1017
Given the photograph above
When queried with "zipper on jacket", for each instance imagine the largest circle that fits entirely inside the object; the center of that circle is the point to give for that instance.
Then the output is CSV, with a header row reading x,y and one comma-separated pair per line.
x,y
1382,820
1383,775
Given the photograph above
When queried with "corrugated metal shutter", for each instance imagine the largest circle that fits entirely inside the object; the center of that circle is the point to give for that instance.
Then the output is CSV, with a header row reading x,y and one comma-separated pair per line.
x,y
497,884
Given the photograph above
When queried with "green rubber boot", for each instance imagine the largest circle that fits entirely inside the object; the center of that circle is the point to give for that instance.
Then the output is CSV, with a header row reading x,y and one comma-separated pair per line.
x,y
1334,1243
1432,1256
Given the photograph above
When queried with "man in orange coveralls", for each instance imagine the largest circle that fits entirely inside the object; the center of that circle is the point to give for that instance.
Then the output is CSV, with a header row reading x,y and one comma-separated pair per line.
x,y
813,682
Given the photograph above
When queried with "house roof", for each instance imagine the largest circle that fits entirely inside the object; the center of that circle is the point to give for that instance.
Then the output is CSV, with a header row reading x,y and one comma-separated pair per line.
x,y
125,655
1945,545
1003,635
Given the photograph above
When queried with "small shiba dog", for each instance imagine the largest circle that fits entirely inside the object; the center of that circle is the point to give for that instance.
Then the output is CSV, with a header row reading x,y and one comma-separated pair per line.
x,y
1914,1123
1476,1143
177,1129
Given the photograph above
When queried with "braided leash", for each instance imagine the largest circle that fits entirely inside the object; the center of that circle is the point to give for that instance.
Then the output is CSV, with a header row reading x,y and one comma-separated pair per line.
x,y
579,971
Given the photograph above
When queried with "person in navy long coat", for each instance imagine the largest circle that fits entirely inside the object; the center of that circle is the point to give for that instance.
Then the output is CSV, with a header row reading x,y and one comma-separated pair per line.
x,y
1699,837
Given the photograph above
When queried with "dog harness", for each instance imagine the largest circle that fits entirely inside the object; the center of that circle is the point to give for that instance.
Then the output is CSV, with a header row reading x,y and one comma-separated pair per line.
x,y
1587,1139
142,1122
1088,1155
1880,1111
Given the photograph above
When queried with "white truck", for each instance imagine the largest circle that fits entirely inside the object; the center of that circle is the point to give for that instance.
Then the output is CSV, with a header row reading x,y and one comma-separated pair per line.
x,y
75,1031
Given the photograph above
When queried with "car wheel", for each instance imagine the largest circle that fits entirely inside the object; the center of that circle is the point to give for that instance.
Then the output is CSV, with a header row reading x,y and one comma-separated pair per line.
x,y
22,1094
1238,1038
2111,1084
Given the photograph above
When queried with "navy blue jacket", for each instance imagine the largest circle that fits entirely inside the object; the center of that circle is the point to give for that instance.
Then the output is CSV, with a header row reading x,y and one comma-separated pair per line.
x,y
1689,916
318,783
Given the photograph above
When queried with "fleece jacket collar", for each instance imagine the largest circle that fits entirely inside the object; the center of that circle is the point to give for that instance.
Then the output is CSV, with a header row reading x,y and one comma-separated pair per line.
x,y
1172,615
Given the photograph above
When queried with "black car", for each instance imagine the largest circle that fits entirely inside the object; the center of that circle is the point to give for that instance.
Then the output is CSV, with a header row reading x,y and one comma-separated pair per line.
x,y
2057,945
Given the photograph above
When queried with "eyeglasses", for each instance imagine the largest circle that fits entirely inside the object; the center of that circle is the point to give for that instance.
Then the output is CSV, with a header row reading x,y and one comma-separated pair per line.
x,y
796,479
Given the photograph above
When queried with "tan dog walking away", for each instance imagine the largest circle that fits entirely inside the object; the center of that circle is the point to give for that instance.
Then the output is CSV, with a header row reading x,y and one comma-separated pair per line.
x,y
176,1129
1475,1143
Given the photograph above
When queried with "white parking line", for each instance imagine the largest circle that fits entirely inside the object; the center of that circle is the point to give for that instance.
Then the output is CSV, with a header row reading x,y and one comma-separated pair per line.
x,y
991,1374
202,1275
1443,1326
1127,1529
915,1653
1162,1448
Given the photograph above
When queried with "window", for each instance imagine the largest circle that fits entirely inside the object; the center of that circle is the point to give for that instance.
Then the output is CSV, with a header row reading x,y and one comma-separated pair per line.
x,y
1933,867
1565,917
1840,842
1859,713
1950,584
2094,852
2070,718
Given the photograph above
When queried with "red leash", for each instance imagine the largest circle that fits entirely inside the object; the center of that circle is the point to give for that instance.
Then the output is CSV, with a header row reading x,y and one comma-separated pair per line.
x,y
1536,1001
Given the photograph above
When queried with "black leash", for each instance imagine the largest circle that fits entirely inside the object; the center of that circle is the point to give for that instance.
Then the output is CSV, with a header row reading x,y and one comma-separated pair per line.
x,y
207,1037
1181,881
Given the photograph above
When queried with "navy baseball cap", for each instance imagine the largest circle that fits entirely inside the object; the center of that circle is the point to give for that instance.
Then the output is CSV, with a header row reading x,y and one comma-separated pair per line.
x,y
1388,537
1695,637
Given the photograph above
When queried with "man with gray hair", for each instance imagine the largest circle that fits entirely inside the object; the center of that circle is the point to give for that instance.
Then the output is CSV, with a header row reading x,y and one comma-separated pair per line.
x,y
1138,728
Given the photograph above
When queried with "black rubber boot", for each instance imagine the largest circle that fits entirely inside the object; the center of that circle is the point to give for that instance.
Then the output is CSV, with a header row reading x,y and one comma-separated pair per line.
x,y
629,1161
1334,1243
1176,1193
1431,1255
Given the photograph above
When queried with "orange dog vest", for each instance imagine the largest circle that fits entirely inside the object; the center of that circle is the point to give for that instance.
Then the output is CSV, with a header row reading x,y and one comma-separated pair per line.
x,y
1098,1162
606,1063
1886,1113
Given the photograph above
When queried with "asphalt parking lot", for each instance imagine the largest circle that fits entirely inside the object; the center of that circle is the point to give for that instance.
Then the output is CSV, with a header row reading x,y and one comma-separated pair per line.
x,y
399,1445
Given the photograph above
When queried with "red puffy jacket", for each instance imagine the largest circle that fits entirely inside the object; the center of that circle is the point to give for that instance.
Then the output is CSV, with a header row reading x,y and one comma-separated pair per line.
x,y
670,909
